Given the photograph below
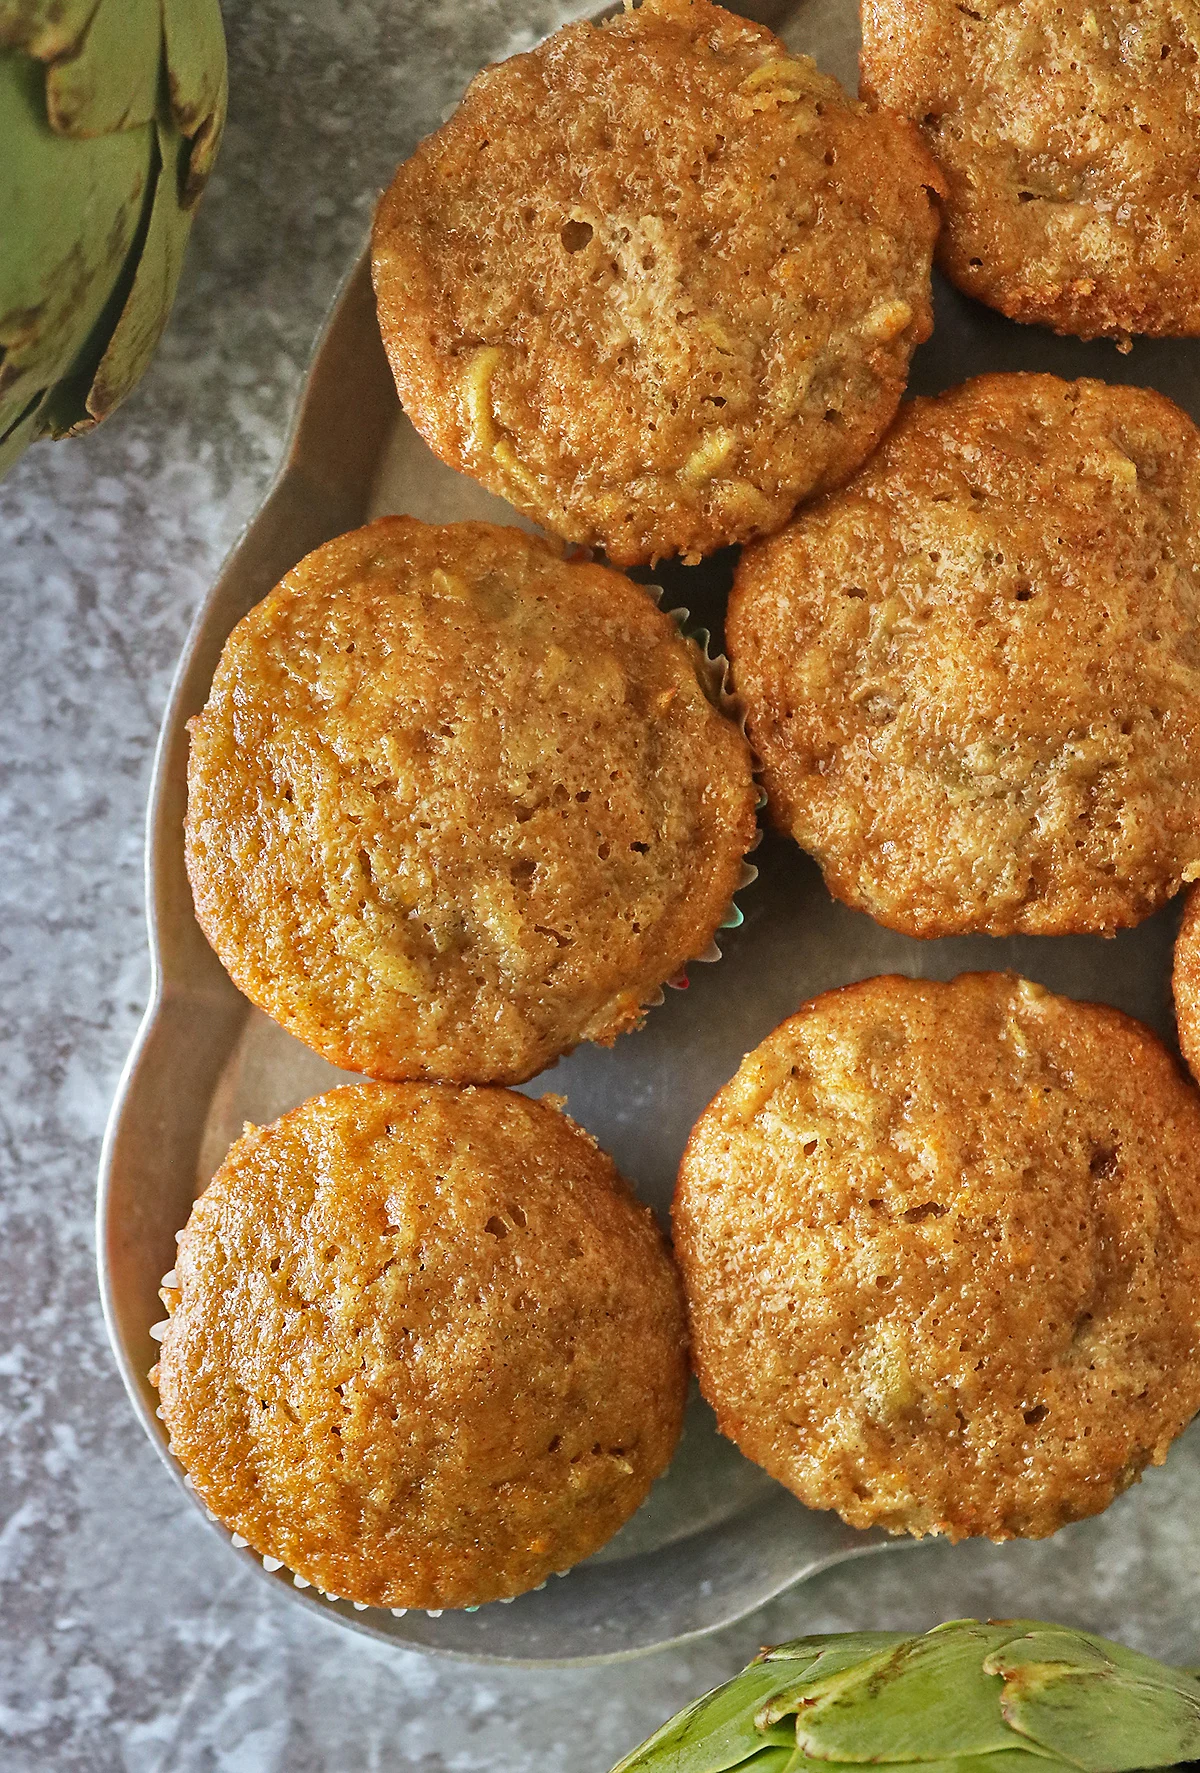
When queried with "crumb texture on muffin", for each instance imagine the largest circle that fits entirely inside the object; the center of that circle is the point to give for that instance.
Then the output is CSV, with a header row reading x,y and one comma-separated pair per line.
x,y
941,1248
456,804
973,674
424,1345
657,280
1068,134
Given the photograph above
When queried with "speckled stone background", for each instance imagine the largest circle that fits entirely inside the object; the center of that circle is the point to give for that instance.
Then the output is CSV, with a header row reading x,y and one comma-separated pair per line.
x,y
130,1643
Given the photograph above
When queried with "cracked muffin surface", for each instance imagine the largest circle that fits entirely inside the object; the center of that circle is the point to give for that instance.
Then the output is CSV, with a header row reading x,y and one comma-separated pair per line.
x,y
456,804
1069,135
941,1250
424,1345
657,280
973,674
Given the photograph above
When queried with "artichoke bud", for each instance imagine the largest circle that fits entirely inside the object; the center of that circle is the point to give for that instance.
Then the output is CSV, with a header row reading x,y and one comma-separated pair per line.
x,y
110,117
1012,1697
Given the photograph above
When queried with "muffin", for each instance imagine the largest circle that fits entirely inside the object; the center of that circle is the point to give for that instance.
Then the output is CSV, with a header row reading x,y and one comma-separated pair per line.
x,y
941,1249
657,280
457,804
1067,131
1186,980
973,675
424,1346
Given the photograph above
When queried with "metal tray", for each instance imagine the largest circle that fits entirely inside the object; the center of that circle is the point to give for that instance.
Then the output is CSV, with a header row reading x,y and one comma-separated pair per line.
x,y
717,1537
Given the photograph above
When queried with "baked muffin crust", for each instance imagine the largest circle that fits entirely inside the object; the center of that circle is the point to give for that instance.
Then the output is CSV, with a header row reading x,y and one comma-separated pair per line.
x,y
457,804
1069,135
973,674
657,280
941,1248
425,1346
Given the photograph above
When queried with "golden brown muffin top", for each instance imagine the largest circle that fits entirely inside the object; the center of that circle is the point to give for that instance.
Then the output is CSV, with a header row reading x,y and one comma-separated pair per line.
x,y
941,1246
424,1347
973,675
657,280
457,804
1069,135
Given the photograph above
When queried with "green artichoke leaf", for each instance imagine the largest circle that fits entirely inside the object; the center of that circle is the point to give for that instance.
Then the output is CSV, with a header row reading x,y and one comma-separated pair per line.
x,y
1012,1696
929,1700
768,1760
718,1732
1047,1643
20,431
110,82
844,1646
1101,1707
69,213
198,82
44,28
851,1650
1008,1760
204,146
148,304
111,114
196,68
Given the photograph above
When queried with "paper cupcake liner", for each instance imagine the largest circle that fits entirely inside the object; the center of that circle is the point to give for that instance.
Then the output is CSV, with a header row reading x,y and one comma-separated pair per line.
x,y
717,682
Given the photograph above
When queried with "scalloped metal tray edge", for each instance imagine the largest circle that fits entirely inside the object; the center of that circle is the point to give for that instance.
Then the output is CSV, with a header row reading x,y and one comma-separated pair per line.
x,y
723,1539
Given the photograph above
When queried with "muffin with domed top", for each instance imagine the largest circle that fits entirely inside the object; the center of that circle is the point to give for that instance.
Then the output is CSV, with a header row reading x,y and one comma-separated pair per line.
x,y
423,1346
657,280
457,803
941,1250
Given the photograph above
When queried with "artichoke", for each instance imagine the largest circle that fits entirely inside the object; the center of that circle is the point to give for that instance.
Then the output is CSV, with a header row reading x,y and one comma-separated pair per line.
x,y
110,118
1015,1697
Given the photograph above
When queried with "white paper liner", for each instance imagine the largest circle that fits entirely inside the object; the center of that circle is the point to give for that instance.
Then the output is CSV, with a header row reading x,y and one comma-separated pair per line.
x,y
717,683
